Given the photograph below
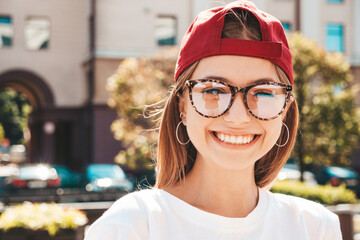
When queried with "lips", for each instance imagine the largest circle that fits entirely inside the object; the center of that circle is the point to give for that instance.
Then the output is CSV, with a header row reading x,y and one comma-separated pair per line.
x,y
235,139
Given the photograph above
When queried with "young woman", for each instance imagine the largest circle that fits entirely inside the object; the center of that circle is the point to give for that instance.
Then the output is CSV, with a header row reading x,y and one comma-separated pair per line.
x,y
227,129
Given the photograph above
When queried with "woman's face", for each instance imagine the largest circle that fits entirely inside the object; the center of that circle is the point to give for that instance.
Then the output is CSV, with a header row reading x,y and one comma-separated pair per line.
x,y
214,138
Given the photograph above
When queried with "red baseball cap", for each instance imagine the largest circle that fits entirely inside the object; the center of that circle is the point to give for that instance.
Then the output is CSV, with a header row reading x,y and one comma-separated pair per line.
x,y
203,39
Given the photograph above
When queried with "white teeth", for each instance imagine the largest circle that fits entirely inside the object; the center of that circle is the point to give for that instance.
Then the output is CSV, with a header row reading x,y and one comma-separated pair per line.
x,y
222,137
244,139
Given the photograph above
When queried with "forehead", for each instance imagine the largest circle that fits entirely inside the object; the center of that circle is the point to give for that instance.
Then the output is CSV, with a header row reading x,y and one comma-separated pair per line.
x,y
236,70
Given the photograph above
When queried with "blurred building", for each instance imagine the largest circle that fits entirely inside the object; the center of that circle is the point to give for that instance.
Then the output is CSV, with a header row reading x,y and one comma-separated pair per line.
x,y
59,53
44,50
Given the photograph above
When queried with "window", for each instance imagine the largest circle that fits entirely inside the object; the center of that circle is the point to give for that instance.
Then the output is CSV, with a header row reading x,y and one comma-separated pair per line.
x,y
6,31
287,27
165,30
334,1
334,37
37,33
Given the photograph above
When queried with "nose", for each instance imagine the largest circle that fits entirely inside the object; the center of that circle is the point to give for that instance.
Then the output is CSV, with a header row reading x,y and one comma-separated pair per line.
x,y
238,113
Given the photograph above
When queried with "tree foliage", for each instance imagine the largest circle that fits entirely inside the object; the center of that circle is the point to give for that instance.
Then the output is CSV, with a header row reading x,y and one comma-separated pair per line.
x,y
329,121
136,84
14,109
2,133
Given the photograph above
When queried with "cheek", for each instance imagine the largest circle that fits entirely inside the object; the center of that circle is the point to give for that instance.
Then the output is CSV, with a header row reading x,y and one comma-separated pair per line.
x,y
272,131
190,114
193,119
195,125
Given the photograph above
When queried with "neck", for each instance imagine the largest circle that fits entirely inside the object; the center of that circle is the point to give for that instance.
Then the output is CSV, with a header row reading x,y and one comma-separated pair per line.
x,y
229,193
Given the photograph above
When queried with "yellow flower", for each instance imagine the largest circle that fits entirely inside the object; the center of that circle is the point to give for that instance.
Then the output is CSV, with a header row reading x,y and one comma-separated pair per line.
x,y
41,216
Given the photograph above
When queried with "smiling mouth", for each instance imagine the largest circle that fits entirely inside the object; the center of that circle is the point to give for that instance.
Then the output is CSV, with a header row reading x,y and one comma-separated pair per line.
x,y
235,139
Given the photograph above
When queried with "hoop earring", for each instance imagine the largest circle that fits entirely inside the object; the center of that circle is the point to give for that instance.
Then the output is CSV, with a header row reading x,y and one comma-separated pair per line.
x,y
177,130
288,136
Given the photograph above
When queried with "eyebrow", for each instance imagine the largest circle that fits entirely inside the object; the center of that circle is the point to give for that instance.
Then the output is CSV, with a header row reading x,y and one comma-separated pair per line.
x,y
226,80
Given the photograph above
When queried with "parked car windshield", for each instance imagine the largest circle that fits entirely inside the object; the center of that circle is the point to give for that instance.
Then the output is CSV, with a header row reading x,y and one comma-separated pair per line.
x,y
105,171
341,172
34,172
62,170
292,166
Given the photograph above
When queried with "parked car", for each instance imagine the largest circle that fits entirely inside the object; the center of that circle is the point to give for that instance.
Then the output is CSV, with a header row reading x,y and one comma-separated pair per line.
x,y
291,172
337,176
33,176
69,178
5,172
104,177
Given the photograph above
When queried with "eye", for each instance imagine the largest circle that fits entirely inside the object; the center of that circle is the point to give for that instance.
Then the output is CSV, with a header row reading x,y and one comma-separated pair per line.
x,y
263,93
211,88
214,91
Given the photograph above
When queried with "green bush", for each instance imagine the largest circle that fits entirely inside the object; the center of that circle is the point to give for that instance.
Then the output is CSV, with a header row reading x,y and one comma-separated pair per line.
x,y
322,194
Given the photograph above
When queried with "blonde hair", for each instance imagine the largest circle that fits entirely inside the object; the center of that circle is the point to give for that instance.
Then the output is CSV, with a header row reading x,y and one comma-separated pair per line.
x,y
174,160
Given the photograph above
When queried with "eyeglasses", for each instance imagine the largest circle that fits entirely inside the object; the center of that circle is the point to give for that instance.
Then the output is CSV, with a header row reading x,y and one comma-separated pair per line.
x,y
213,98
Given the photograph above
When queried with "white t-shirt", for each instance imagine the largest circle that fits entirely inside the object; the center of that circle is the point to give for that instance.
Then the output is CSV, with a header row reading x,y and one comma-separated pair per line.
x,y
157,215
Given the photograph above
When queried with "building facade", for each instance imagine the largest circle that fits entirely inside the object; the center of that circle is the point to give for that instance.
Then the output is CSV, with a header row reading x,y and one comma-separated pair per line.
x,y
60,53
43,48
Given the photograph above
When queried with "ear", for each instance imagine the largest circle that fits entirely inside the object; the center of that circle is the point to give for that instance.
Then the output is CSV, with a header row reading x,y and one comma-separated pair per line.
x,y
283,115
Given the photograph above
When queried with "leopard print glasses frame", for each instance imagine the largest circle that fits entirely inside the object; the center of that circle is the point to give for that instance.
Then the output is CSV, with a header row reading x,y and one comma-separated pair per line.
x,y
244,91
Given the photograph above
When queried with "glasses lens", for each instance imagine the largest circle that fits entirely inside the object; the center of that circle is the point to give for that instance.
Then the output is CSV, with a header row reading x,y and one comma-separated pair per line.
x,y
211,98
266,101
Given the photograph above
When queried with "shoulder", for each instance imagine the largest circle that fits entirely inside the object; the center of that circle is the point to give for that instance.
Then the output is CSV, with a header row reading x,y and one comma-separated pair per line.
x,y
127,218
314,216
301,206
132,205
